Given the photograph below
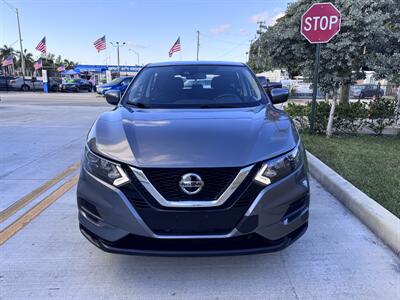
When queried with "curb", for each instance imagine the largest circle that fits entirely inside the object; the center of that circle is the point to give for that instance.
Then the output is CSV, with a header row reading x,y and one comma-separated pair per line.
x,y
377,218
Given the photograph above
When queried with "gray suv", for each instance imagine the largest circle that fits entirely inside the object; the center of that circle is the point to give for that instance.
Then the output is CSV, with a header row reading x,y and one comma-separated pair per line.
x,y
209,167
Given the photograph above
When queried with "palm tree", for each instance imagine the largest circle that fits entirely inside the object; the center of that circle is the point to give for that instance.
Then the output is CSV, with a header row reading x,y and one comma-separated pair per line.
x,y
69,64
6,51
28,57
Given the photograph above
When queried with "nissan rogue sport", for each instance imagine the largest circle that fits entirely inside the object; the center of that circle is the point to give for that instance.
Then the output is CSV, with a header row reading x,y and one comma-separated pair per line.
x,y
193,160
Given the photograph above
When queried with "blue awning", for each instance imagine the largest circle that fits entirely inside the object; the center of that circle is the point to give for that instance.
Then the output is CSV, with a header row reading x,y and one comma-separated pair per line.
x,y
71,72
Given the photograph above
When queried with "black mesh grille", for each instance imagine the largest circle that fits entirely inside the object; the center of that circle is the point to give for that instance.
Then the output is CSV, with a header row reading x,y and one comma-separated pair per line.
x,y
166,181
186,220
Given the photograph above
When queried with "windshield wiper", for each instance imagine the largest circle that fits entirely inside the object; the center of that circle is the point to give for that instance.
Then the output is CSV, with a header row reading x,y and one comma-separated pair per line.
x,y
138,104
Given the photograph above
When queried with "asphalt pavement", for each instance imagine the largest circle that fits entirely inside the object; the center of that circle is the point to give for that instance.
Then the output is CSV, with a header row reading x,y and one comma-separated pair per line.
x,y
48,258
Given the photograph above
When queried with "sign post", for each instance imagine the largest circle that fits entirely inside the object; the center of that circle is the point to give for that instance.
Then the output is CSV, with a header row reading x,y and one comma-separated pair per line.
x,y
319,24
45,81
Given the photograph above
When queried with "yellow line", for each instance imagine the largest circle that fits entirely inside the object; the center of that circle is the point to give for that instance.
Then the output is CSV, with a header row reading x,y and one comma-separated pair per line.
x,y
12,209
22,221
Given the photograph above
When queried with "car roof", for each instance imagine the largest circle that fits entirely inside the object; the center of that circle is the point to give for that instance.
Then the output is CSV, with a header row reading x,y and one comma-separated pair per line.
x,y
195,63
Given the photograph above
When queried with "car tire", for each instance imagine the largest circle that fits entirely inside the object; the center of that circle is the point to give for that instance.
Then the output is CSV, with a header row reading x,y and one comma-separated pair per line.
x,y
25,88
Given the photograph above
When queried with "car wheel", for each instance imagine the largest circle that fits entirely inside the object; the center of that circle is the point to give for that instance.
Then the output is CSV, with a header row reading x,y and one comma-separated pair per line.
x,y
25,88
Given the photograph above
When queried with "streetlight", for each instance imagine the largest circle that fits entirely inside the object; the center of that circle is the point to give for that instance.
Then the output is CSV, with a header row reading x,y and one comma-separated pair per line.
x,y
20,38
137,54
117,45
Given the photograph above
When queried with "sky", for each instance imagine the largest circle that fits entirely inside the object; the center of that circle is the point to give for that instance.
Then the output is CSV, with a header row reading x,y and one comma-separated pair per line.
x,y
148,27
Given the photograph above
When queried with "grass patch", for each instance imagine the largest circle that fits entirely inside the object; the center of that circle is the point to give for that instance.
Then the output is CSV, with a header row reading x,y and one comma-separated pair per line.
x,y
371,163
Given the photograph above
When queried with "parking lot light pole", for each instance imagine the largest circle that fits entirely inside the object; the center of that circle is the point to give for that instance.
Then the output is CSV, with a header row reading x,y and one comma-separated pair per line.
x,y
118,45
20,38
137,54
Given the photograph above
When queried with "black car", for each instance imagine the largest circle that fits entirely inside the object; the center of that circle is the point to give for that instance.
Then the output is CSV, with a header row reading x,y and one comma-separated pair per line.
x,y
5,82
370,90
193,160
76,85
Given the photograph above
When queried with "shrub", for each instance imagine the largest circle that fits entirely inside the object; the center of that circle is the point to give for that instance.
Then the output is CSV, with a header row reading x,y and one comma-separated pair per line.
x,y
321,116
382,113
299,113
350,117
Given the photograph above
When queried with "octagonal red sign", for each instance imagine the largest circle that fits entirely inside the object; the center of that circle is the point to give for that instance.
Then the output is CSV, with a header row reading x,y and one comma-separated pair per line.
x,y
320,23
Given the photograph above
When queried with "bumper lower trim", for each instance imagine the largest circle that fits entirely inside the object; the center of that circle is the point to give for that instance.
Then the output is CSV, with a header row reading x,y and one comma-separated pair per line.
x,y
243,245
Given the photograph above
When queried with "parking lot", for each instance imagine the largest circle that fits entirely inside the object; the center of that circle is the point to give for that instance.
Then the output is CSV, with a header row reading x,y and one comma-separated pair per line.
x,y
44,256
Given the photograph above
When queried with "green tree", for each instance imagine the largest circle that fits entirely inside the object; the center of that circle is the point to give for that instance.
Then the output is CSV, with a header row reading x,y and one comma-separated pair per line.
x,y
369,40
69,64
28,57
6,51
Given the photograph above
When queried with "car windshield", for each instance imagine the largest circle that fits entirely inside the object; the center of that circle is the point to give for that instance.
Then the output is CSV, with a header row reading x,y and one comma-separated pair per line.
x,y
201,86
116,80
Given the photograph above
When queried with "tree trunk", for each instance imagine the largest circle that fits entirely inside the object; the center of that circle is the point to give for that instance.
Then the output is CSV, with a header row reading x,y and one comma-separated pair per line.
x,y
345,92
331,115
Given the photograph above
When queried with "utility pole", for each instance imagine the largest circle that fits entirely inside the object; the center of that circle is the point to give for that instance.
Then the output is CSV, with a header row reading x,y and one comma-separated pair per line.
x,y
261,26
198,44
137,54
20,38
118,45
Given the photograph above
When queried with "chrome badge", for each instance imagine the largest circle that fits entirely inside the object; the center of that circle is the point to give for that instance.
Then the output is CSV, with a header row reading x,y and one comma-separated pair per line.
x,y
191,183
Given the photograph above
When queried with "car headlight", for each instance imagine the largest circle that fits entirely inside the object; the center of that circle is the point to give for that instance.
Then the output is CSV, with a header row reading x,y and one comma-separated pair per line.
x,y
104,169
277,168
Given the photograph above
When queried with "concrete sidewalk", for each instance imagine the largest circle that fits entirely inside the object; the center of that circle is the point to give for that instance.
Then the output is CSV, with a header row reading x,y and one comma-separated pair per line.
x,y
338,258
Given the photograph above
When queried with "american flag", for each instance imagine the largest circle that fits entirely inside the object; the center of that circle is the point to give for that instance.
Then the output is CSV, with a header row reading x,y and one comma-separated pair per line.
x,y
175,47
61,69
100,44
38,64
42,46
7,61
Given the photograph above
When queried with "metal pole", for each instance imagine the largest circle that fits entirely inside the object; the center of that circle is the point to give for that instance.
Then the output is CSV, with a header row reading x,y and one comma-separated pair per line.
x,y
315,87
198,44
20,45
137,54
119,70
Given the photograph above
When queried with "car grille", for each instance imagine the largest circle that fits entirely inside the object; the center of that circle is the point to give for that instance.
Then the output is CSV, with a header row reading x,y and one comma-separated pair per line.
x,y
186,220
166,181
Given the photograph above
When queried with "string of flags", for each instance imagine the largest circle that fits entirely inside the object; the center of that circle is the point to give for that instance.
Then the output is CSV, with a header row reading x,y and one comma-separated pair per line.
x,y
100,44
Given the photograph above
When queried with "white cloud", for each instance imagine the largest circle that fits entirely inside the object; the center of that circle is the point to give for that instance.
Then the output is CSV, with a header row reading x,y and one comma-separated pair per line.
x,y
243,32
267,17
220,29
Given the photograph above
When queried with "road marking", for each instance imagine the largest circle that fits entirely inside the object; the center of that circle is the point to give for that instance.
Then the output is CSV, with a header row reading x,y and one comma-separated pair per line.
x,y
13,208
31,214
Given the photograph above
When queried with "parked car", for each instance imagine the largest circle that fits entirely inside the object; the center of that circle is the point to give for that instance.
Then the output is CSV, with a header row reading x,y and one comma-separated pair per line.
x,y
119,84
76,85
268,85
32,84
5,82
204,169
370,90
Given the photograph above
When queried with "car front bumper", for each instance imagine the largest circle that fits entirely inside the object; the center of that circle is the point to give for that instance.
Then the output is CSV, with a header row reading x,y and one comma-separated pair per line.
x,y
275,219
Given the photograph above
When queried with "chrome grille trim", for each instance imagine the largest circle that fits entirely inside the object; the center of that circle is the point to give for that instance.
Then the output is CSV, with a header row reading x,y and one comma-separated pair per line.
x,y
240,177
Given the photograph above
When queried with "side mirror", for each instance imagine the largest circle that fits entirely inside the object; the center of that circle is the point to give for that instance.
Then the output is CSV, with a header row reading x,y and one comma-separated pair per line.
x,y
279,95
113,97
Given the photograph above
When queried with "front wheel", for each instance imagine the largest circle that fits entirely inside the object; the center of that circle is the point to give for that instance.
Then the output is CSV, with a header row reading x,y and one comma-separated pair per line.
x,y
25,88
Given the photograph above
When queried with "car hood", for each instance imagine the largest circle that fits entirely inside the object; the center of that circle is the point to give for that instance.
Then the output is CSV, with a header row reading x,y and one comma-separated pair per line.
x,y
192,137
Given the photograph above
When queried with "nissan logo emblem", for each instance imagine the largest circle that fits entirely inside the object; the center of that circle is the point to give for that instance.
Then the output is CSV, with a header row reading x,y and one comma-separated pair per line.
x,y
191,183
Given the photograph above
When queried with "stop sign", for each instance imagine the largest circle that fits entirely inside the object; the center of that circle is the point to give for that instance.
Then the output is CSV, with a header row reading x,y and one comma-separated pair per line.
x,y
320,23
